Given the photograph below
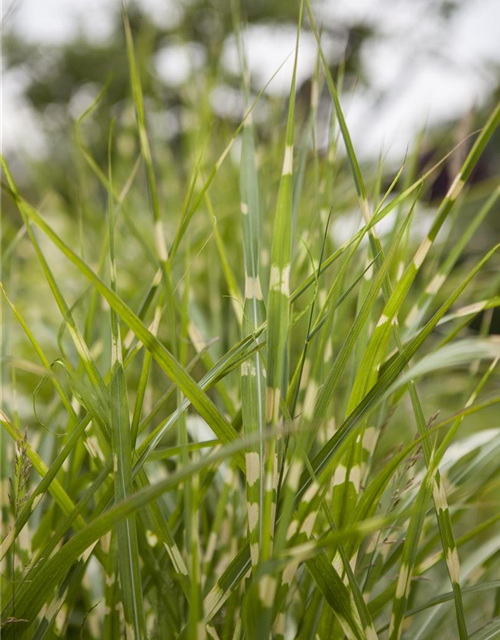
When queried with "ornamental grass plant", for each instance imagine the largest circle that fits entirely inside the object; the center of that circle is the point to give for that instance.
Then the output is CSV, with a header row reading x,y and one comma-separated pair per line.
x,y
224,417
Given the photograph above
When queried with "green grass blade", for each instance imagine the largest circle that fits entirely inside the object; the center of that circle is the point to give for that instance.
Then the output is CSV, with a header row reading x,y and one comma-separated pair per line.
x,y
128,553
252,370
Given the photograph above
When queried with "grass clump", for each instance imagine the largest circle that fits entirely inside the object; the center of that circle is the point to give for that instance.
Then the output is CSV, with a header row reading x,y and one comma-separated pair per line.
x,y
238,426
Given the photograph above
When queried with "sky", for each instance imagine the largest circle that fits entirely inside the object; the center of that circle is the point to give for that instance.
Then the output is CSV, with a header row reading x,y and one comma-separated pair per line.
x,y
422,70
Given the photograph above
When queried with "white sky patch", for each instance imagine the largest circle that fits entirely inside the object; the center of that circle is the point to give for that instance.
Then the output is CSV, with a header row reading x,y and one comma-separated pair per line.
x,y
267,47
422,70
20,120
61,21
176,63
